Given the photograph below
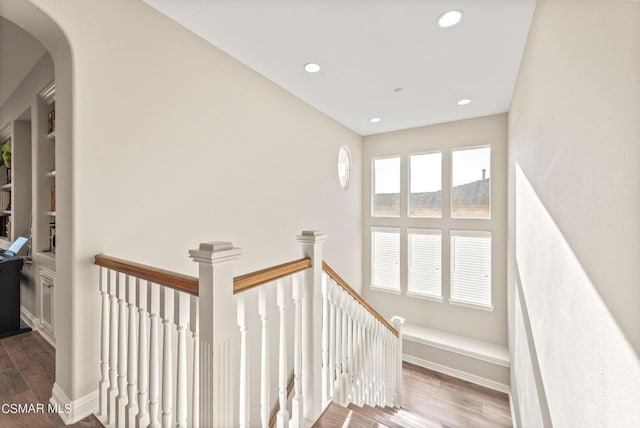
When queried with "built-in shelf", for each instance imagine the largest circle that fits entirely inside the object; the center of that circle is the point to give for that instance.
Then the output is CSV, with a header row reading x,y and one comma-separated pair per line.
x,y
51,213
51,173
51,135
7,212
6,186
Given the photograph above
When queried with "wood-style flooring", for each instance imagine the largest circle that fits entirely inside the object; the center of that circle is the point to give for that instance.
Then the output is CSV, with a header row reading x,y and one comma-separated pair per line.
x,y
431,400
452,402
27,367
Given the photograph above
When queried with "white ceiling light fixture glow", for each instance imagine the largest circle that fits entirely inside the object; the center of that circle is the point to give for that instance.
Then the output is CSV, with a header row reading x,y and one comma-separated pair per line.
x,y
375,120
311,67
464,102
450,18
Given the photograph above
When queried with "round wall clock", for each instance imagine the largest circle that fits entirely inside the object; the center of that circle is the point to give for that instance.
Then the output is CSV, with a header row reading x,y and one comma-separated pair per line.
x,y
344,166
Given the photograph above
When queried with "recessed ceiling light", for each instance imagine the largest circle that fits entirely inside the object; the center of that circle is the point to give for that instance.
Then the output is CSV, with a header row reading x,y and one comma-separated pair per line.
x,y
450,18
375,120
311,67
464,102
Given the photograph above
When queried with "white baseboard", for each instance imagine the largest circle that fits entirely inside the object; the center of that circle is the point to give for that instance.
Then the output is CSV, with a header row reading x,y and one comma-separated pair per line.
x,y
513,412
47,336
29,319
73,411
457,373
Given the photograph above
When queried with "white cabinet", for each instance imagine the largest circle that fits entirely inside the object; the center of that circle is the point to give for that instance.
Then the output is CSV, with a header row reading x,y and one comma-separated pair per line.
x,y
47,282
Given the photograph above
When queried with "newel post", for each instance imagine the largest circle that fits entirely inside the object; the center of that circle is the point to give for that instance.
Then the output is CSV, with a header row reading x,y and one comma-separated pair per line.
x,y
218,365
312,242
397,323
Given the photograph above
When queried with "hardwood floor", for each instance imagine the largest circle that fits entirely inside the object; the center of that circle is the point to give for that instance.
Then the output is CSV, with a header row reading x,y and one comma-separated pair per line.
x,y
431,400
453,402
27,367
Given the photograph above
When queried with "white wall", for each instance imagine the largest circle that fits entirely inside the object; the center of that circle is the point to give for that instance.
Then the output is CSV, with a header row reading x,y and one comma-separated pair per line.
x,y
474,323
17,103
175,143
574,145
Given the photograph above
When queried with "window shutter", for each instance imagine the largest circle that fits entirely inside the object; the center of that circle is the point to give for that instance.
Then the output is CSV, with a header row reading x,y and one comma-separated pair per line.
x,y
424,262
385,258
471,267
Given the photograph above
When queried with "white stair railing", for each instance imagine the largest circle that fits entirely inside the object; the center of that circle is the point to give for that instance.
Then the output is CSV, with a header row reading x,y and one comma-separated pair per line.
x,y
201,352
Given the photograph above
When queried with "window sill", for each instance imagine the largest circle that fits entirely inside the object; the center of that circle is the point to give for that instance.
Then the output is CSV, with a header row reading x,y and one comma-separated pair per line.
x,y
384,290
471,305
425,297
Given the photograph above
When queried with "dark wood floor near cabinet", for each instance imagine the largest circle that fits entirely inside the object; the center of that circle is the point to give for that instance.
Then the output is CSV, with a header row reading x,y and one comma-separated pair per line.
x,y
430,400
27,367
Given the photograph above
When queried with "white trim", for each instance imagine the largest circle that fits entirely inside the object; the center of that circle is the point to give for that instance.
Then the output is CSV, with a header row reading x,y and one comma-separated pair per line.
x,y
479,350
415,295
385,290
478,380
29,319
470,305
46,335
73,411
513,411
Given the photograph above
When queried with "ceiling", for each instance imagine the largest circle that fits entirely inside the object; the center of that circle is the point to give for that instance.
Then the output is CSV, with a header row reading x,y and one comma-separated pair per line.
x,y
369,48
19,53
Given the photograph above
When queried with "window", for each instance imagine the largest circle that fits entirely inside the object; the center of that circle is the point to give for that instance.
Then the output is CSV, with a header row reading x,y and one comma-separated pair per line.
x,y
471,185
386,187
425,185
385,258
471,268
424,274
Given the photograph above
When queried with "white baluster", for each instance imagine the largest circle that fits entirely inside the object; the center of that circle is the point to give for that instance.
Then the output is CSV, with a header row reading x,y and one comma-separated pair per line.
x,y
142,418
332,338
337,392
265,403
121,399
325,339
296,403
283,415
131,408
166,313
194,322
350,340
113,347
104,343
153,302
243,407
344,379
181,316
397,324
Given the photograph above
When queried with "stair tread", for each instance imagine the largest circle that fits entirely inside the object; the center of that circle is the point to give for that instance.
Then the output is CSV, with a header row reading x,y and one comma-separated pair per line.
x,y
336,415
405,419
376,415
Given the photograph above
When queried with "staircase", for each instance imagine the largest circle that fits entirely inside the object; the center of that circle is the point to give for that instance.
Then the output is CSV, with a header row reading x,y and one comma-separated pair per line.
x,y
180,351
366,416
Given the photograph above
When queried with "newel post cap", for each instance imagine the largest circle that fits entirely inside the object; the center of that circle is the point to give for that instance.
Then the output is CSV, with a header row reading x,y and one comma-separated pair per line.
x,y
312,236
214,252
397,323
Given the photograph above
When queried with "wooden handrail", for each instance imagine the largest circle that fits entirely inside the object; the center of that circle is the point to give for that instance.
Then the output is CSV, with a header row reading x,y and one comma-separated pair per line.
x,y
337,278
177,281
247,281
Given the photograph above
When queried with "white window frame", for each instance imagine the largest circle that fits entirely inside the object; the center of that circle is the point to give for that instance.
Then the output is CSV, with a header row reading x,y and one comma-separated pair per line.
x,y
376,287
420,231
470,233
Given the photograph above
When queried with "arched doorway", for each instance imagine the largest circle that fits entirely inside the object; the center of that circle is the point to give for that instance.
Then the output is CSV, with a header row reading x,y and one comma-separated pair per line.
x,y
35,21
